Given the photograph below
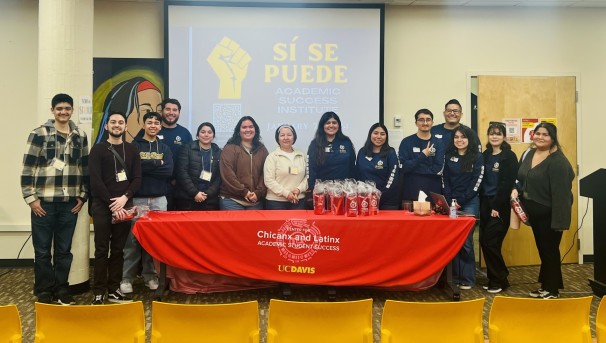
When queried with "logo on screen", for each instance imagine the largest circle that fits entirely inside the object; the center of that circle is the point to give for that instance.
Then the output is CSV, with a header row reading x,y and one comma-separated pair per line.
x,y
230,63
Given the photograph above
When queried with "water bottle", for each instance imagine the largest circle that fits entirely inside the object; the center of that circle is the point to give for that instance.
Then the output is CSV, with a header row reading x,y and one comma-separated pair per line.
x,y
453,209
516,205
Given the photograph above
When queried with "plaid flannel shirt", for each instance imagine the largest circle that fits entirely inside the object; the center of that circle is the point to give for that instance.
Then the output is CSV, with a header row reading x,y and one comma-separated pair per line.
x,y
40,179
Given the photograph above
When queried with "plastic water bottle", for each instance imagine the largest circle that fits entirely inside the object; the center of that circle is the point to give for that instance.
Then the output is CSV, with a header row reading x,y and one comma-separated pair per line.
x,y
453,209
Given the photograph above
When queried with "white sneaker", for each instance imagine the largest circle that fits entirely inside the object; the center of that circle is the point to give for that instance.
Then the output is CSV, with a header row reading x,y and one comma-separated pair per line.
x,y
126,287
152,284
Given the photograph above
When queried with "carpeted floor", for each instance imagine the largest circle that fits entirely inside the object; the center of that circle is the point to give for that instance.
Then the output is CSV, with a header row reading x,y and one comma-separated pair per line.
x,y
16,288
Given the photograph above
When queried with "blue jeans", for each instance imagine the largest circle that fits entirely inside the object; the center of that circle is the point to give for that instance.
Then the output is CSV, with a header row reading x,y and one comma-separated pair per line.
x,y
53,232
229,204
134,253
284,205
464,264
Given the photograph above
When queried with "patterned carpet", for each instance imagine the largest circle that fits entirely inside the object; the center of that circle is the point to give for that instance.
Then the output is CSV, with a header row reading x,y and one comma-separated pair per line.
x,y
16,288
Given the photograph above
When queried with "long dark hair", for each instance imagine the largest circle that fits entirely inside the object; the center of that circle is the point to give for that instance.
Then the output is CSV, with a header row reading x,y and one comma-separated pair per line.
x,y
122,98
320,136
471,154
553,133
498,128
236,139
367,149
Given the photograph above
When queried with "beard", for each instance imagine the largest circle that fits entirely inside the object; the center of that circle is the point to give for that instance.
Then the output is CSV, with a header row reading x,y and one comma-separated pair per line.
x,y
116,135
170,122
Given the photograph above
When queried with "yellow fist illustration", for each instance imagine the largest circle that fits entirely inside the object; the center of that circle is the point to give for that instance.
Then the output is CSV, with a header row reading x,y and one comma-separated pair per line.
x,y
230,63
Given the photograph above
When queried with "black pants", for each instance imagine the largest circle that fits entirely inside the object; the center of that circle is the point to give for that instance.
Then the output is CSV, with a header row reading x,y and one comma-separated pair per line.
x,y
548,244
492,233
109,249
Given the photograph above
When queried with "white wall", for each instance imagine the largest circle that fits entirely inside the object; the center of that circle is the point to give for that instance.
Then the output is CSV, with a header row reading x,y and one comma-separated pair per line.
x,y
122,29
429,54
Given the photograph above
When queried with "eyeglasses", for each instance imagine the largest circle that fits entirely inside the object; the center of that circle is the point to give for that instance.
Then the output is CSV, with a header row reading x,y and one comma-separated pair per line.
x,y
424,120
452,111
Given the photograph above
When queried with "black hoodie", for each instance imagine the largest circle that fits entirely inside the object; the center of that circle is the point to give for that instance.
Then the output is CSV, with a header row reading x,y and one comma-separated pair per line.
x,y
156,167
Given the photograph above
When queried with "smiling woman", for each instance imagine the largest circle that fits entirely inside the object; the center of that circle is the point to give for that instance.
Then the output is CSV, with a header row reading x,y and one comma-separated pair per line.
x,y
378,162
241,168
285,172
331,154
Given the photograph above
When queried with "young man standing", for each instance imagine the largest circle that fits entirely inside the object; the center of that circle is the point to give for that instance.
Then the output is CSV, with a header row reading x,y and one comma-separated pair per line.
x,y
422,158
453,112
173,135
115,176
156,170
54,185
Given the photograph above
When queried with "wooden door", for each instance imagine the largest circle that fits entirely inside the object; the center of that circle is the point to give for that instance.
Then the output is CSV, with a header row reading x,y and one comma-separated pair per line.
x,y
533,97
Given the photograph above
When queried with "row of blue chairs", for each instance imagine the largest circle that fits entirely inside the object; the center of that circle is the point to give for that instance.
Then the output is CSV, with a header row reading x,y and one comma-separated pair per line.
x,y
512,320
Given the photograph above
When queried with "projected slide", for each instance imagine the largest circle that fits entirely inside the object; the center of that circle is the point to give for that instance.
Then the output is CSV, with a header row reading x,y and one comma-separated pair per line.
x,y
278,65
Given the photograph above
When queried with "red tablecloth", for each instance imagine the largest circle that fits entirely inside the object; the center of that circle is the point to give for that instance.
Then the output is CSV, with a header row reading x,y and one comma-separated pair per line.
x,y
394,248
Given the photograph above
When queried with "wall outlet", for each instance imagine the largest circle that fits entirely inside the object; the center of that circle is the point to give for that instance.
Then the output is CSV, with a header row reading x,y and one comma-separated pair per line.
x,y
397,120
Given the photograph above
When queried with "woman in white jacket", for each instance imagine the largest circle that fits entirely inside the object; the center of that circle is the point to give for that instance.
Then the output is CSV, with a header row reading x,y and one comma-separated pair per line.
x,y
285,173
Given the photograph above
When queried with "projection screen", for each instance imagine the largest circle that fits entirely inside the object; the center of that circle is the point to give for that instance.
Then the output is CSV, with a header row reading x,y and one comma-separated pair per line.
x,y
279,64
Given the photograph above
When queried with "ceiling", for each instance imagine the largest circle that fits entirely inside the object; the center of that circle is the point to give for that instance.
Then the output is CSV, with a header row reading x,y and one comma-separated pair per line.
x,y
477,3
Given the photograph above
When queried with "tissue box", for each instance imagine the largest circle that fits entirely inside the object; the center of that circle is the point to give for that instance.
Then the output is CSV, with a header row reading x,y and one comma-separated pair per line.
x,y
422,208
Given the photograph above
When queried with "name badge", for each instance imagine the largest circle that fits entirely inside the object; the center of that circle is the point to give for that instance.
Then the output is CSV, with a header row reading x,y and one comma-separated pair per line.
x,y
438,136
58,164
206,175
293,170
454,159
121,176
327,149
160,136
415,149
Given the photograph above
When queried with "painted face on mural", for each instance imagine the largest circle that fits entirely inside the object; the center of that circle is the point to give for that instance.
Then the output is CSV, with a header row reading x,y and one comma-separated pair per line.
x,y
148,100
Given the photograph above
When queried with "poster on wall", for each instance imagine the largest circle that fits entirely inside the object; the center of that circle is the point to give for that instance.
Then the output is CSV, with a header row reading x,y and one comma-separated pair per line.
x,y
133,86
513,128
528,125
548,120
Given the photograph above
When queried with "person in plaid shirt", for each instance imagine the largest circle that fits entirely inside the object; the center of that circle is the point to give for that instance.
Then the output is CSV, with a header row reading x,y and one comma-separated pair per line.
x,y
54,183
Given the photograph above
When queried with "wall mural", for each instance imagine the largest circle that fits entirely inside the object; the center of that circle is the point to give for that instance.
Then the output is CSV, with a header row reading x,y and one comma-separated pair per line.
x,y
133,86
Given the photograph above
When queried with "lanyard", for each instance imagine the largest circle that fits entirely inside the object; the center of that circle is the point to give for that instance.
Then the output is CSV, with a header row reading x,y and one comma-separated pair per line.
x,y
211,158
114,156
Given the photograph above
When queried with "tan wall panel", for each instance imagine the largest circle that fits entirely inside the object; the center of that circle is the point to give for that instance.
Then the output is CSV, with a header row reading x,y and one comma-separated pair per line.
x,y
532,97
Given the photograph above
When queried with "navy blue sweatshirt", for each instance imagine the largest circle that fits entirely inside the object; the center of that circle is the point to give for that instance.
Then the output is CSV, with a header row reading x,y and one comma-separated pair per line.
x,y
383,171
420,172
461,185
156,167
339,164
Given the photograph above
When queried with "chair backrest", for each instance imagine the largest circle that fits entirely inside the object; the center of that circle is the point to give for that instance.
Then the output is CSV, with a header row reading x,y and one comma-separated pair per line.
x,y
320,322
10,324
519,320
600,322
420,322
213,323
92,324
